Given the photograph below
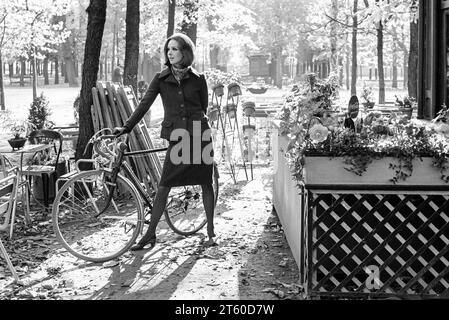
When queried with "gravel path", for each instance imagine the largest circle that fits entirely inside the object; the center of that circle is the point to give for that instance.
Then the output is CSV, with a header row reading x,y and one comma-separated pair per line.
x,y
252,260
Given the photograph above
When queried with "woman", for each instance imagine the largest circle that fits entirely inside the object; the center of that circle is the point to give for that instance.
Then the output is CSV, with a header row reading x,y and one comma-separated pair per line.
x,y
184,97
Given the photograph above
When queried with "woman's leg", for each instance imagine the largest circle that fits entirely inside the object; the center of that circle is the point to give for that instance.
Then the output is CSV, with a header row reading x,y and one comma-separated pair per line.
x,y
159,205
208,202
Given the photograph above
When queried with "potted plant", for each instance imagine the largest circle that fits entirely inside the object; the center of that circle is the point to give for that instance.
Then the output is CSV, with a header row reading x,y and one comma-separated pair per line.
x,y
406,105
39,113
368,97
312,130
18,129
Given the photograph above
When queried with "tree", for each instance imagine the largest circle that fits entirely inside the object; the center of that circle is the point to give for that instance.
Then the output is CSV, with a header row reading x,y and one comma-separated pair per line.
x,y
189,22
171,17
95,28
6,36
355,24
280,23
413,59
37,34
132,44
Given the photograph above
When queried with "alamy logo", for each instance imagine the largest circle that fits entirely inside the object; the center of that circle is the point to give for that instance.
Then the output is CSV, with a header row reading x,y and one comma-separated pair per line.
x,y
373,280
180,153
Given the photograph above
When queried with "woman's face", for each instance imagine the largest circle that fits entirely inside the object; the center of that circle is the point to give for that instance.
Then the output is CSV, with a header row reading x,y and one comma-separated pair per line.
x,y
174,53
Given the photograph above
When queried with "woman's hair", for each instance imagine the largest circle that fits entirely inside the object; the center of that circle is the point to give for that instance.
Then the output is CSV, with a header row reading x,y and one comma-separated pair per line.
x,y
186,46
353,100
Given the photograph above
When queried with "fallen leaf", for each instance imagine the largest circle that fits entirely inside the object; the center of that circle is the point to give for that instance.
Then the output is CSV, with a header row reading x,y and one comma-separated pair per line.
x,y
128,283
110,264
283,264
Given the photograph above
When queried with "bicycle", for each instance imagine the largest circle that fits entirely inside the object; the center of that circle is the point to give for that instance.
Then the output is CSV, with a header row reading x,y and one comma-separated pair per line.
x,y
98,214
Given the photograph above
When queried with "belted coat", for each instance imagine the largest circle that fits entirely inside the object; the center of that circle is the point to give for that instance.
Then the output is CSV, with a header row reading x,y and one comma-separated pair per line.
x,y
183,102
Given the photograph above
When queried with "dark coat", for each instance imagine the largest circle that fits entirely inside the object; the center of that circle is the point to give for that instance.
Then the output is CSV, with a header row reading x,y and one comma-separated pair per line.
x,y
183,102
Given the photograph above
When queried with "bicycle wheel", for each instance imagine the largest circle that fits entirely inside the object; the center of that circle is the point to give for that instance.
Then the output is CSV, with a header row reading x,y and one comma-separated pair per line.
x,y
185,212
82,230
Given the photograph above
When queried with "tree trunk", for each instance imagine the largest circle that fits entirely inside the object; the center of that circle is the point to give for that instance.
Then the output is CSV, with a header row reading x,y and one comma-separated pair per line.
x,y
69,61
132,44
340,70
214,52
348,75
56,70
22,72
394,83
114,35
405,71
333,36
95,28
278,68
412,82
2,87
106,66
354,50
189,21
171,17
34,74
380,62
46,76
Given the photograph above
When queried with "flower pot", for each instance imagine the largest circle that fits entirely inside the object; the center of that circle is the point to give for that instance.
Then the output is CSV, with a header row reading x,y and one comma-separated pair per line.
x,y
213,113
249,108
257,90
368,105
407,112
218,90
234,90
231,109
17,143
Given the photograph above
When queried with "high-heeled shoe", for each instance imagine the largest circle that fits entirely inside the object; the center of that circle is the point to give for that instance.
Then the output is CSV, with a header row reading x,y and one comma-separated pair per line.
x,y
143,242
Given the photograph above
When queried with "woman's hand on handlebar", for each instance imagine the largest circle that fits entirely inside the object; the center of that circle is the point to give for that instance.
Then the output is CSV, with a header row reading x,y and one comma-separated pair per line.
x,y
118,131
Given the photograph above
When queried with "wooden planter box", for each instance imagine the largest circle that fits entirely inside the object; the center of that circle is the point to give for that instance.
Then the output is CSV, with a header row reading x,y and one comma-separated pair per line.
x,y
331,172
339,225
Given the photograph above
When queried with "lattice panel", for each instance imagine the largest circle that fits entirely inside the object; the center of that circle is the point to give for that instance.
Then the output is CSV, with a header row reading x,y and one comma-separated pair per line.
x,y
403,240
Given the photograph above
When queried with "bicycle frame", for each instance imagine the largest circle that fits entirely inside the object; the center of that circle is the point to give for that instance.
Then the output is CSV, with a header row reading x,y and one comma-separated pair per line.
x,y
120,164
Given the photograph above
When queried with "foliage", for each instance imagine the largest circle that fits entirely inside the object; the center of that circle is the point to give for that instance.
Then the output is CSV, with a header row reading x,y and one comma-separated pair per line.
x,y
29,28
406,102
39,113
310,99
215,76
312,127
16,127
76,110
367,94
442,115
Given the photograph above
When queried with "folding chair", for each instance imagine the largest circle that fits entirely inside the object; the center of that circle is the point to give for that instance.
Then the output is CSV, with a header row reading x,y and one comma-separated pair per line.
x,y
5,169
48,160
8,194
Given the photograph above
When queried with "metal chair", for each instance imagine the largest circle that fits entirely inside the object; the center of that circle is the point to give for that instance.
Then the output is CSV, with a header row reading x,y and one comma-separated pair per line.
x,y
9,184
23,185
44,164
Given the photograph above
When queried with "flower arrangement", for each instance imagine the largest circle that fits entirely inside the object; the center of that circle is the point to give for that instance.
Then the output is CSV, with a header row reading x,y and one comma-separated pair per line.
x,y
18,128
406,102
368,97
309,121
215,76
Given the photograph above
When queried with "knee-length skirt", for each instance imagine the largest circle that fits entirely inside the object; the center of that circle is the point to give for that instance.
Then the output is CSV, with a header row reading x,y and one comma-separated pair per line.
x,y
192,168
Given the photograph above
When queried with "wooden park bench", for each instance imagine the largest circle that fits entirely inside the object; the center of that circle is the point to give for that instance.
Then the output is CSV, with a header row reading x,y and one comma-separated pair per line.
x,y
16,79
